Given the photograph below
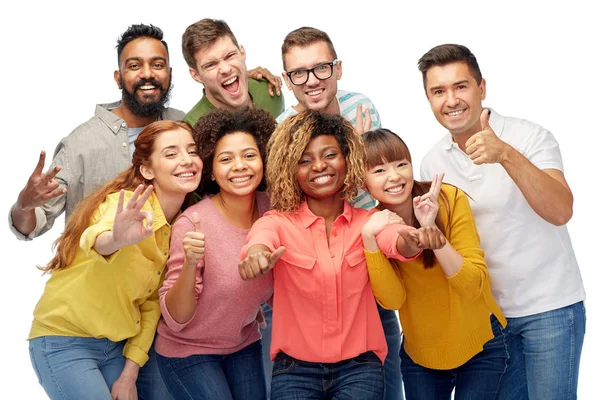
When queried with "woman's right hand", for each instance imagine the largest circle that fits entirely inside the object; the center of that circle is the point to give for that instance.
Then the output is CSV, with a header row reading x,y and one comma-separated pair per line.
x,y
193,243
380,220
259,263
129,227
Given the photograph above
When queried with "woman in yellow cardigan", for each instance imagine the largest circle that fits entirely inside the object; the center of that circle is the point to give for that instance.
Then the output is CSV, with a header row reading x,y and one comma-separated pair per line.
x,y
453,328
97,318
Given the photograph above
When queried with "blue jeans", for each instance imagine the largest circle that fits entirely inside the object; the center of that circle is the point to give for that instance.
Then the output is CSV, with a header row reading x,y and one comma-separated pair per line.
x,y
360,378
545,350
239,375
477,379
70,367
391,327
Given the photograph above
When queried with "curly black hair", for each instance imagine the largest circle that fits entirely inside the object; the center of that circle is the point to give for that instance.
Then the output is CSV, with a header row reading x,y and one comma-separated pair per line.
x,y
136,32
214,125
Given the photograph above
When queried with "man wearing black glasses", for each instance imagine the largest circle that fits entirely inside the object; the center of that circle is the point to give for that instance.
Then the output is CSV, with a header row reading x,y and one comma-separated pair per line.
x,y
312,70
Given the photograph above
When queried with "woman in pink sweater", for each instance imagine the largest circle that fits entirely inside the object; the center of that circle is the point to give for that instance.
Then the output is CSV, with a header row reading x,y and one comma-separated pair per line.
x,y
209,343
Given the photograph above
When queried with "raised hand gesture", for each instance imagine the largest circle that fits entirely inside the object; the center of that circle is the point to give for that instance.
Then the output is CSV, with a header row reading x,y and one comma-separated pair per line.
x,y
132,224
259,263
426,207
40,187
485,147
362,125
193,243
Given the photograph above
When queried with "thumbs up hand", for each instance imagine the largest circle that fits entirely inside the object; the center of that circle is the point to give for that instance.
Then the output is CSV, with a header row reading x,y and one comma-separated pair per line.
x,y
193,243
485,147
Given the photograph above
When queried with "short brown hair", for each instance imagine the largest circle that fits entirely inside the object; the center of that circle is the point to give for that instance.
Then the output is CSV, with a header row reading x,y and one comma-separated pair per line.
x,y
202,34
449,53
303,37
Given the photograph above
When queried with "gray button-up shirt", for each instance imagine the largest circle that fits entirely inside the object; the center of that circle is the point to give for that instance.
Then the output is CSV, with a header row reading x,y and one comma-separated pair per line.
x,y
95,152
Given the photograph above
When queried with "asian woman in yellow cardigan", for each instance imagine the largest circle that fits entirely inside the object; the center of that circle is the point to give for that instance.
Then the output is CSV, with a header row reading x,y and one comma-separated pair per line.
x,y
453,328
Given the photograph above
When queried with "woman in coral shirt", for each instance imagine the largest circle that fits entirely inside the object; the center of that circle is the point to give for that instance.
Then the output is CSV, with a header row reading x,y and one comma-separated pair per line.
x,y
328,341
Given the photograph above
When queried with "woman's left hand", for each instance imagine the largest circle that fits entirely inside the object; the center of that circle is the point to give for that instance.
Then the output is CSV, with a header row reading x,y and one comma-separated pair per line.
x,y
426,207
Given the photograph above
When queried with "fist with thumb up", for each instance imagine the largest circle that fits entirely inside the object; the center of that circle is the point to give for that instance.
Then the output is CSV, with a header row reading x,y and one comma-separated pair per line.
x,y
193,242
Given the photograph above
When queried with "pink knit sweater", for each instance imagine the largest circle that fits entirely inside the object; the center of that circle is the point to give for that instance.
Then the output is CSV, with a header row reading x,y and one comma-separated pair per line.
x,y
227,307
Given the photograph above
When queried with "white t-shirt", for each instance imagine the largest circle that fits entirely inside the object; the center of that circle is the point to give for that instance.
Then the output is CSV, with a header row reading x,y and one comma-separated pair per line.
x,y
531,262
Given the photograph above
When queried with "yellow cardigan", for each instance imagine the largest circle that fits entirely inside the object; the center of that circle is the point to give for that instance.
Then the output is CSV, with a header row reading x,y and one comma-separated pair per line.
x,y
114,297
445,320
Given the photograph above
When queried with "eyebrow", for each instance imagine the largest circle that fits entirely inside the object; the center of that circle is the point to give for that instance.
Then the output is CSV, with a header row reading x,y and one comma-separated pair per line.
x,y
174,146
215,59
434,88
243,150
323,150
140,59
316,64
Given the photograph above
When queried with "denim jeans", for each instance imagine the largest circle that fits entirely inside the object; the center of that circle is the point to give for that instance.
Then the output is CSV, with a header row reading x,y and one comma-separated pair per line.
x,y
70,367
360,378
239,375
477,379
391,328
544,350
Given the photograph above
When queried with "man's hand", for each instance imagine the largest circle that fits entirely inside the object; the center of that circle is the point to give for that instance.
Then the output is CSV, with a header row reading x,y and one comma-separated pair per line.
x,y
193,242
259,263
40,187
275,83
362,125
485,147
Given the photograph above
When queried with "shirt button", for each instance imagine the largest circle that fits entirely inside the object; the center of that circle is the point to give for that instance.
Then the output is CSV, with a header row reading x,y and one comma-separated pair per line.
x,y
333,256
165,253
137,322
158,273
124,144
149,291
123,124
166,233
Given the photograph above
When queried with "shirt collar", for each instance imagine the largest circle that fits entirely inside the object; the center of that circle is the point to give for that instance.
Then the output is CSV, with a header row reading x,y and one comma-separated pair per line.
x,y
496,122
112,120
159,219
308,218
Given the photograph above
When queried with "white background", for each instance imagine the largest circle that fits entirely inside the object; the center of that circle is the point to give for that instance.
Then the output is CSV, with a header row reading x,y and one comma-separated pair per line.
x,y
540,61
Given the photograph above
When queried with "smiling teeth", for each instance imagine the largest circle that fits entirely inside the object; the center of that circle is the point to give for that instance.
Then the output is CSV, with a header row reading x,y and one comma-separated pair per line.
x,y
185,175
455,113
395,189
242,179
230,81
315,92
322,179
147,87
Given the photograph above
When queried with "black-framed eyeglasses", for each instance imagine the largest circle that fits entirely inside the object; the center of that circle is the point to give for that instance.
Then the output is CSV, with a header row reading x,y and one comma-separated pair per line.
x,y
321,72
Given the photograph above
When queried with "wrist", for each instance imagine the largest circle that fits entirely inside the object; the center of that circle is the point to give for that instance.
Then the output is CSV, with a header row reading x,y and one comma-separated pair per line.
x,y
20,205
506,154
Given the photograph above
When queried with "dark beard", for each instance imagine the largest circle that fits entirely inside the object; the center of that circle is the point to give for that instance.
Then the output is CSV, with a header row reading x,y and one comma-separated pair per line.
x,y
146,109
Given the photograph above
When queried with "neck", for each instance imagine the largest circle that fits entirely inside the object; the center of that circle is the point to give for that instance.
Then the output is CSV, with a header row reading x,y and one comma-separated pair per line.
x,y
239,211
224,106
170,204
329,208
461,139
132,120
332,108
404,211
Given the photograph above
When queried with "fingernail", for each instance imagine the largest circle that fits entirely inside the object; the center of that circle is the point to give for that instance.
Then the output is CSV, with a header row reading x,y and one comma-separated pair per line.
x,y
489,111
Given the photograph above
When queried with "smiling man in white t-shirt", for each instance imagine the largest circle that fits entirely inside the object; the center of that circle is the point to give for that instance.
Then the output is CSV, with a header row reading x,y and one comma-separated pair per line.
x,y
512,171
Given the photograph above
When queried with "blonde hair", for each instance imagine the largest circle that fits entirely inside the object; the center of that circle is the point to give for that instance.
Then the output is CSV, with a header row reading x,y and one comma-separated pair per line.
x,y
289,141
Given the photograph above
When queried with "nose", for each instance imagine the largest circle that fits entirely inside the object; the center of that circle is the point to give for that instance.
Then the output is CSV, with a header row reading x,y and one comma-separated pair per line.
x,y
224,67
312,79
240,165
146,71
393,175
451,99
185,158
319,165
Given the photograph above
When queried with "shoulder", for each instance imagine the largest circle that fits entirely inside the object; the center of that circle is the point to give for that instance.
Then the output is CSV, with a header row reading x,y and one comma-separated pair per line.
x,y
173,114
517,130
287,113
